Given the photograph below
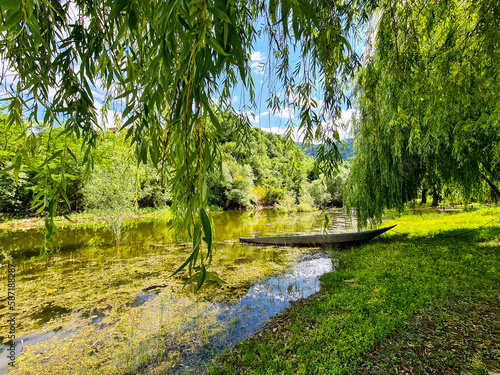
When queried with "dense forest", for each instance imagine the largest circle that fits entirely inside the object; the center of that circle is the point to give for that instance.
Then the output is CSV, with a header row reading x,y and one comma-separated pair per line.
x,y
268,171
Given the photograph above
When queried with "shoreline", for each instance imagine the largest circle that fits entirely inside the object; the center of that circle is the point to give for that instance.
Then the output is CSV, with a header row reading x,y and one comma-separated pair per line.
x,y
23,222
37,222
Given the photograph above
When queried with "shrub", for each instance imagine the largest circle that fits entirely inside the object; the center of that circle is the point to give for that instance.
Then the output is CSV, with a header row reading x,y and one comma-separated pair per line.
x,y
319,193
287,202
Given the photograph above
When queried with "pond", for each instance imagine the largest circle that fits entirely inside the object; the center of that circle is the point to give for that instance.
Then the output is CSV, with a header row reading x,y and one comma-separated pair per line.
x,y
115,309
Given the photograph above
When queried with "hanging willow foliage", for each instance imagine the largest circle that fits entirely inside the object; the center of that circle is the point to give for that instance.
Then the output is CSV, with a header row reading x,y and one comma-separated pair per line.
x,y
428,97
173,64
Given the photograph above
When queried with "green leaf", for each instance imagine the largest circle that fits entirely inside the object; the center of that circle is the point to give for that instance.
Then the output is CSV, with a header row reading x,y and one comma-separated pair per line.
x,y
213,117
220,14
52,157
201,278
10,4
191,279
226,33
73,156
67,218
216,46
62,192
13,18
211,276
183,22
207,228
18,159
132,18
183,265
273,10
117,8
196,237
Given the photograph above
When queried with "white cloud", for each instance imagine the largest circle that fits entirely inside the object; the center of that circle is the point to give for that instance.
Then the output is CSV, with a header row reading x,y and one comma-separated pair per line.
x,y
252,117
286,112
257,68
257,62
257,56
107,118
74,14
255,119
111,119
343,125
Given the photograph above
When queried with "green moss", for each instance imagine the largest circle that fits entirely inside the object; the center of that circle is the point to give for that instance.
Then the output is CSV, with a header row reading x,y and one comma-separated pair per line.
x,y
113,326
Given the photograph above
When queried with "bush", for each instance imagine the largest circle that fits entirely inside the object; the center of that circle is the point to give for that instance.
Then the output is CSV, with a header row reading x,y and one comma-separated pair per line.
x,y
319,193
152,193
287,202
272,196
238,183
111,190
305,198
335,186
15,196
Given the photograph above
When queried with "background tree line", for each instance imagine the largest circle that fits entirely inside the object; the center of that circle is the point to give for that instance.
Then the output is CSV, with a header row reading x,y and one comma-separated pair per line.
x,y
268,171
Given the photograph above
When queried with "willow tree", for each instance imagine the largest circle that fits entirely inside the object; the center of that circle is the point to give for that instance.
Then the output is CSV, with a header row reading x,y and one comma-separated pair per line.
x,y
171,65
429,103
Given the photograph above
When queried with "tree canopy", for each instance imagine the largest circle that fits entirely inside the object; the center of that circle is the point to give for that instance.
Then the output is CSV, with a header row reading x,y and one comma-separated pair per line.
x,y
428,99
169,62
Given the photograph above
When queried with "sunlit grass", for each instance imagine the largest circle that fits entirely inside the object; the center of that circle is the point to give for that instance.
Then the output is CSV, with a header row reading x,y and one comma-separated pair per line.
x,y
426,261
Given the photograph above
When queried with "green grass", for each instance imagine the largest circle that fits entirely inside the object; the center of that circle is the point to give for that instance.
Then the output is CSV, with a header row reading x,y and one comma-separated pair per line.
x,y
428,267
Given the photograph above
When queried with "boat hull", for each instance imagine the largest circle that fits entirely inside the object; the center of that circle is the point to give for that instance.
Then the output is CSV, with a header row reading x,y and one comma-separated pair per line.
x,y
327,240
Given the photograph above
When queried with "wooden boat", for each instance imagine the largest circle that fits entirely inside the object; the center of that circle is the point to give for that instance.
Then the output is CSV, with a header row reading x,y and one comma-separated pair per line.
x,y
333,240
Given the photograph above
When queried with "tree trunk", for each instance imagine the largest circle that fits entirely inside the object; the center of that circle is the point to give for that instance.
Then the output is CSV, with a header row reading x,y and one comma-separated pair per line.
x,y
492,185
424,196
435,197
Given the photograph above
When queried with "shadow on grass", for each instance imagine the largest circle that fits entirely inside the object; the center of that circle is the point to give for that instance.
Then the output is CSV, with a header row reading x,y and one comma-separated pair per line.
x,y
462,336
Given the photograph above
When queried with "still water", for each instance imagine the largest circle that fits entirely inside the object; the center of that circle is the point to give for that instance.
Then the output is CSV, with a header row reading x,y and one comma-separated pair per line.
x,y
101,308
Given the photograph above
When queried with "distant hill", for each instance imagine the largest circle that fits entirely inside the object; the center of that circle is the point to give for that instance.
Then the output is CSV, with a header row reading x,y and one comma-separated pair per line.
x,y
346,149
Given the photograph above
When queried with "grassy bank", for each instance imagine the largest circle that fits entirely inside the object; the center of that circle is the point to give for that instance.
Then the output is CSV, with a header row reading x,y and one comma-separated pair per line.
x,y
408,301
20,222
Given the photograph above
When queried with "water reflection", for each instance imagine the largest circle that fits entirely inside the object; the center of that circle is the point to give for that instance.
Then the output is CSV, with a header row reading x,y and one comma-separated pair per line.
x,y
250,313
266,299
88,239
